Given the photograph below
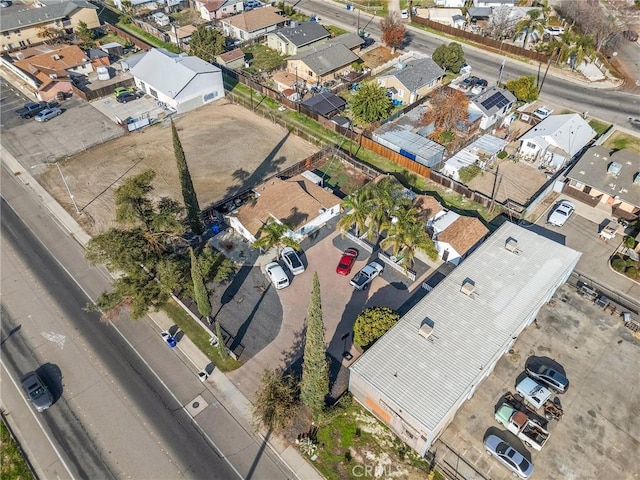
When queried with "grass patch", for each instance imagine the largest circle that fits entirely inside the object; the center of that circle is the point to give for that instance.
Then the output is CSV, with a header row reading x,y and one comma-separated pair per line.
x,y
113,37
198,336
147,37
335,174
188,16
622,141
599,127
14,465
335,31
262,58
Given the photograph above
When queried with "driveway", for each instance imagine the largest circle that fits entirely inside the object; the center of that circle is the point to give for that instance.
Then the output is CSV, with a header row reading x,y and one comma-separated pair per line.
x,y
142,107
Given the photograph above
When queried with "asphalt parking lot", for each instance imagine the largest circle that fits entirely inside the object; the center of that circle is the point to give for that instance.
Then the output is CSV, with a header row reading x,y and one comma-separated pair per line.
x,y
11,99
77,129
599,435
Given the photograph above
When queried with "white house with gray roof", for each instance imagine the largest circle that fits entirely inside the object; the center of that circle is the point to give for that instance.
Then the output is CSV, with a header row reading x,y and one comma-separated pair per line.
x,y
556,139
494,104
411,81
289,40
419,374
180,81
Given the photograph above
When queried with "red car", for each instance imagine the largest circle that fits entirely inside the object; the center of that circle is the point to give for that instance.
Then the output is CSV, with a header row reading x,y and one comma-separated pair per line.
x,y
348,258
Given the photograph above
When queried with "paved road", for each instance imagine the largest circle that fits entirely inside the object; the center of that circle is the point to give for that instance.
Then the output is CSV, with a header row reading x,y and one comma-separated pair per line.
x,y
113,417
611,105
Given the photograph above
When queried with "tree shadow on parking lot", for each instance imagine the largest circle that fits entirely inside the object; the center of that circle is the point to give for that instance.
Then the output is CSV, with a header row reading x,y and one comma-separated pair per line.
x,y
292,358
237,340
51,375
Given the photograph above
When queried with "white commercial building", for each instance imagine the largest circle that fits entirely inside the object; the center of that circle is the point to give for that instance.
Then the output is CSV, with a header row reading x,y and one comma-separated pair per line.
x,y
417,376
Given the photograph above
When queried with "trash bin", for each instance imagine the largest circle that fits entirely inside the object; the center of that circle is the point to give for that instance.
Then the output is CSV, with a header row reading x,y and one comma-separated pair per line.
x,y
215,228
171,341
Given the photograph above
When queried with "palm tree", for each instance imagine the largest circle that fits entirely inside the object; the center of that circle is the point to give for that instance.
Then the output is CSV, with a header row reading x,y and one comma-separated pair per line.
x,y
274,234
385,198
534,22
406,234
576,49
357,207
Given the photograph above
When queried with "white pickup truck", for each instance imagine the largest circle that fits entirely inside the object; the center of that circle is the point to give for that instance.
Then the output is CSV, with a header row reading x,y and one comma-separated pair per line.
x,y
522,426
365,276
534,394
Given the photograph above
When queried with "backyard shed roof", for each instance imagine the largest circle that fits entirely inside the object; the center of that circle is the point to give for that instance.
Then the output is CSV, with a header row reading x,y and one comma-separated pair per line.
x,y
463,233
325,103
425,378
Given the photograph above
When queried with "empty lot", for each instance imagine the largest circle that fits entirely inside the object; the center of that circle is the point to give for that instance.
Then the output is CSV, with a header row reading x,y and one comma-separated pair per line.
x,y
228,149
599,436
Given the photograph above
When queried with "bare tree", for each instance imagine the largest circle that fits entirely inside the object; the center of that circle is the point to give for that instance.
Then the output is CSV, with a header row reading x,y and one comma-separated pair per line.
x,y
393,31
448,107
501,25
590,18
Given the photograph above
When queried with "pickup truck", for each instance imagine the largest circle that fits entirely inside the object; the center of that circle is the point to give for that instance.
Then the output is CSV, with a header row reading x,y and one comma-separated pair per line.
x,y
534,394
365,276
522,426
30,109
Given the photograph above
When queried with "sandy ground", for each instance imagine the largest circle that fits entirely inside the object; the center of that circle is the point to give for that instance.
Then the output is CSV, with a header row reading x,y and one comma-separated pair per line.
x,y
519,181
228,149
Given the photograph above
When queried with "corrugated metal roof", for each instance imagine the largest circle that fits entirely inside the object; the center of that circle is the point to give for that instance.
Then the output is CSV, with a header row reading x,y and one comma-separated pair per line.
x,y
426,377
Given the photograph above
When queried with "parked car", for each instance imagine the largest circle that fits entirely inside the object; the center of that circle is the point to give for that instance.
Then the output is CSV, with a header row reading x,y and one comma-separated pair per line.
x,y
404,14
533,393
31,109
277,275
561,213
554,31
469,82
635,122
542,112
126,97
121,90
5,3
36,391
292,260
348,258
630,35
508,456
548,375
47,114
365,276
251,4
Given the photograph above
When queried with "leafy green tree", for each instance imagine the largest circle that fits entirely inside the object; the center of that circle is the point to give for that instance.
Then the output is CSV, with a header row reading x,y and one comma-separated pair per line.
x,y
206,43
449,57
188,192
315,369
533,22
276,401
201,295
215,267
129,11
524,88
370,103
372,324
222,349
85,35
274,234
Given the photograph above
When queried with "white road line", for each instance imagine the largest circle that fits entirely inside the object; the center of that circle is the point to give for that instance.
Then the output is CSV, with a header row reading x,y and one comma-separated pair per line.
x,y
37,419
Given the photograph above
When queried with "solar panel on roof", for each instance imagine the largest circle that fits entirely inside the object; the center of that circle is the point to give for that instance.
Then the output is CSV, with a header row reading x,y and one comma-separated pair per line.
x,y
495,100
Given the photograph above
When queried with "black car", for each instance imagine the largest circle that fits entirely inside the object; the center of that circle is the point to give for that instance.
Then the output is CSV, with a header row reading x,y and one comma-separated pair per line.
x,y
548,375
126,97
31,109
469,82
36,391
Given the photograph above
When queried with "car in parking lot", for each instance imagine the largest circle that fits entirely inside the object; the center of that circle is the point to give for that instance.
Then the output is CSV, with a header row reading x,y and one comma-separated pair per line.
x,y
47,114
533,393
122,90
37,392
508,456
548,375
468,82
364,277
542,112
348,258
277,275
292,260
126,97
31,109
561,213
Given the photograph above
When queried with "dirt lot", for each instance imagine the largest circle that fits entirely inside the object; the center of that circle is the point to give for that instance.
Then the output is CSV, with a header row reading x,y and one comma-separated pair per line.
x,y
378,56
519,181
228,149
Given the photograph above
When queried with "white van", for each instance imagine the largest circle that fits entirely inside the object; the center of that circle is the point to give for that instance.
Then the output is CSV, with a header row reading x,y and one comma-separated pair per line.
x,y
534,394
277,275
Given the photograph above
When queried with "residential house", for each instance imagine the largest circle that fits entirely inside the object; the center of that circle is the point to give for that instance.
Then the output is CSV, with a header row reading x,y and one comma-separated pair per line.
x,y
181,82
300,202
21,27
494,104
98,57
232,59
482,152
607,178
55,68
289,40
352,41
411,81
150,4
420,373
325,62
325,104
428,207
181,35
213,9
556,140
456,236
253,23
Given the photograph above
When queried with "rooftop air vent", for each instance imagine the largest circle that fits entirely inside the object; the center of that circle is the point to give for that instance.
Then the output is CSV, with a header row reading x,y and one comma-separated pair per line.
x,y
425,330
512,245
468,287
56,57
614,168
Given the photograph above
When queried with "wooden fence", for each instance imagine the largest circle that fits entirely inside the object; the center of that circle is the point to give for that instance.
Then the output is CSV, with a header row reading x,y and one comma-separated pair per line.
x,y
126,35
474,37
90,95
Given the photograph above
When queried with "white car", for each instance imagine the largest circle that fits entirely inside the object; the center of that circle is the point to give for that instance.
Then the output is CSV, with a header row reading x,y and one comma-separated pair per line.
x,y
404,14
554,31
561,213
277,275
292,260
543,112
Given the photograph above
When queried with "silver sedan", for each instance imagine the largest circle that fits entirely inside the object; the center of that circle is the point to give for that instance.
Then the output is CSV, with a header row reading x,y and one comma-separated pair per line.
x,y
47,114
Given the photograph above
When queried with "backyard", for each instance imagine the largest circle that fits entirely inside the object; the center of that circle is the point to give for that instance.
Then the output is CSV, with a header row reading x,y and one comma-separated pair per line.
x,y
620,141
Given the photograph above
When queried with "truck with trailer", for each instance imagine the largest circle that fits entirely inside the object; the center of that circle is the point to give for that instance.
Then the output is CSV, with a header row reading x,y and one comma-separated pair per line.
x,y
522,426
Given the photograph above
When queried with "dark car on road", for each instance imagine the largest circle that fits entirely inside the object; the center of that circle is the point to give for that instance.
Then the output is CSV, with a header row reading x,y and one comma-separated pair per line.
x,y
126,97
31,109
36,391
548,375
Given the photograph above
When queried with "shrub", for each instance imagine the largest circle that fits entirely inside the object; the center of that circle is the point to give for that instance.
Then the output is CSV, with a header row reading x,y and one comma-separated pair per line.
x,y
632,272
629,242
502,154
372,323
618,264
467,174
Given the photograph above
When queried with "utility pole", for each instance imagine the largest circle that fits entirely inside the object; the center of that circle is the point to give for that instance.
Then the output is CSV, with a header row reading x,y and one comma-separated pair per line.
x,y
494,190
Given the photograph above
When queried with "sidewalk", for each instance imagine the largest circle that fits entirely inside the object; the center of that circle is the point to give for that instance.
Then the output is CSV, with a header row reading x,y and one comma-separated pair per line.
x,y
221,387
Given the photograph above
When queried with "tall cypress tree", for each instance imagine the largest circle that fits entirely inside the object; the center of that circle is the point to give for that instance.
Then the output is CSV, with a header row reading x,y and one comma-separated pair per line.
x,y
199,288
188,192
315,368
221,347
